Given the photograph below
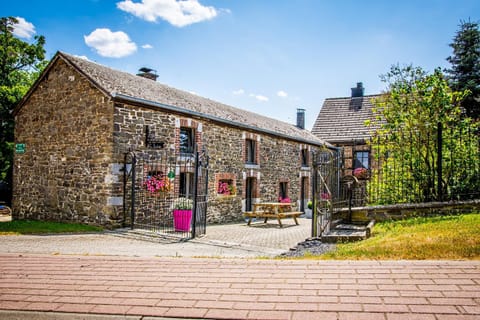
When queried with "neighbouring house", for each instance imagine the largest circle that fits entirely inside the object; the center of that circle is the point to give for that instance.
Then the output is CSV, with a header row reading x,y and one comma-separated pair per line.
x,y
79,119
341,122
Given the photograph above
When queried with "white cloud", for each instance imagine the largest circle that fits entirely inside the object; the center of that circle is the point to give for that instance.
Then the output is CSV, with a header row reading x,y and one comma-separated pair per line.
x,y
238,92
110,44
259,97
23,29
147,46
82,57
282,94
178,13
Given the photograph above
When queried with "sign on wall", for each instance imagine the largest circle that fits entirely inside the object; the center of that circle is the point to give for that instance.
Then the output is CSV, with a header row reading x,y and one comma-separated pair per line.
x,y
20,148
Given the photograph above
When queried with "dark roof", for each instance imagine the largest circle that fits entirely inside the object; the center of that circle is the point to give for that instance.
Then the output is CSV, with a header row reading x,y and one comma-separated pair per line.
x,y
122,86
342,120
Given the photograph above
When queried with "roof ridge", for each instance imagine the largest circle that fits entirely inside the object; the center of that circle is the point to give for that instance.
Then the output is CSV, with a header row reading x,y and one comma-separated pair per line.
x,y
119,83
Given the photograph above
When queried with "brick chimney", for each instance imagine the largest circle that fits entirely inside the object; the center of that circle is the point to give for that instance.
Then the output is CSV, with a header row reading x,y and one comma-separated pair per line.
x,y
147,73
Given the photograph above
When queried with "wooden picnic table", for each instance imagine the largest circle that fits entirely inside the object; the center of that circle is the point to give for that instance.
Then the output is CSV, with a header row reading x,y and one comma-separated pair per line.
x,y
276,210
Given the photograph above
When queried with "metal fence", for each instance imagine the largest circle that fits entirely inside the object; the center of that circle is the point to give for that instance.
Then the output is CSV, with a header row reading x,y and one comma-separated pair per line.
x,y
166,192
413,167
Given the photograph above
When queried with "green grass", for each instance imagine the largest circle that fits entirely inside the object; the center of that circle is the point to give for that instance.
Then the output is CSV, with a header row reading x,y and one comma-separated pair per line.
x,y
39,227
442,237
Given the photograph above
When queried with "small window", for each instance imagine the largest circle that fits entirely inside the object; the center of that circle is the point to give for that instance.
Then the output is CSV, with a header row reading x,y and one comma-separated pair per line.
x,y
250,151
187,140
304,157
361,164
362,160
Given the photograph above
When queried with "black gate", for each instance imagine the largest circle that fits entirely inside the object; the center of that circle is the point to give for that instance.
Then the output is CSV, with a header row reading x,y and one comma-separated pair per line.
x,y
166,193
326,187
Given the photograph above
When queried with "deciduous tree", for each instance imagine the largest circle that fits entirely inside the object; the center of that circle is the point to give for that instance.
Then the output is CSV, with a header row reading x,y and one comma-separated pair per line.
x,y
20,64
419,113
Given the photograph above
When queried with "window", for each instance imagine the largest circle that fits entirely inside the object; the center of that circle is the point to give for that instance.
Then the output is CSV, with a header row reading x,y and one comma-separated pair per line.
x,y
250,151
304,157
361,164
362,160
187,140
186,185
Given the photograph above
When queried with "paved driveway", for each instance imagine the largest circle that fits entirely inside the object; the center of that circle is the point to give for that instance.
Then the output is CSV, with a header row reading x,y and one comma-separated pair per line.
x,y
233,240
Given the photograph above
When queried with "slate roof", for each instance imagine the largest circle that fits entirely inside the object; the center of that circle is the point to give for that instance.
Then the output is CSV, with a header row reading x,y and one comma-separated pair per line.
x,y
342,120
128,87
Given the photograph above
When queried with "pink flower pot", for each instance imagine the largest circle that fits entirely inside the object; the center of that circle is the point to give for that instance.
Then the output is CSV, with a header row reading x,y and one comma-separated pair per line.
x,y
182,219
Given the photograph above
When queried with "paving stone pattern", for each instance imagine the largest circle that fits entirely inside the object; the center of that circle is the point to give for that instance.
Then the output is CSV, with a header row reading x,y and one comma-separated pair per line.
x,y
239,288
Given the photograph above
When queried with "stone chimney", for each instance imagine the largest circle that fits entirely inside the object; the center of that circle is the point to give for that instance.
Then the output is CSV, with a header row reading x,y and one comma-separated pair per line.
x,y
358,91
301,118
147,73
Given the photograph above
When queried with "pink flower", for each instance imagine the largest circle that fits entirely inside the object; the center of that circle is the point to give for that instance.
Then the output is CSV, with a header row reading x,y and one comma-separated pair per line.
x,y
158,183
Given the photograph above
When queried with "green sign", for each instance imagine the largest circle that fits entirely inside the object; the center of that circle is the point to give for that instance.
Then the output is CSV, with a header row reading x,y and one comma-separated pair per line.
x,y
171,175
20,148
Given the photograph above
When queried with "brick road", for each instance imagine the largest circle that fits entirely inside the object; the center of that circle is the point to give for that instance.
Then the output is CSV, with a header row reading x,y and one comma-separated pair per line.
x,y
202,288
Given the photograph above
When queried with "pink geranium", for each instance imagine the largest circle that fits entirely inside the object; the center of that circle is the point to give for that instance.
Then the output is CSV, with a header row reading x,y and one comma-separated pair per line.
x,y
158,183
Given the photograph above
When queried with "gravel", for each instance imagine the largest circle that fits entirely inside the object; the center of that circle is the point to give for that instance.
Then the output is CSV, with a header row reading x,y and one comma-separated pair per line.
x,y
311,246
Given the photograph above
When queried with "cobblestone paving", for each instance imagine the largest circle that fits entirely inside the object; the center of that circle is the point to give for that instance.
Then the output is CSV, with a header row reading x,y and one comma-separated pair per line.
x,y
234,240
47,287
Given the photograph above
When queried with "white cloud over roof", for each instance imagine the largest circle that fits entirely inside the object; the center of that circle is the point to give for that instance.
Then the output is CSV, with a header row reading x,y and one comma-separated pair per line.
x,y
259,97
23,29
110,44
282,94
177,13
238,92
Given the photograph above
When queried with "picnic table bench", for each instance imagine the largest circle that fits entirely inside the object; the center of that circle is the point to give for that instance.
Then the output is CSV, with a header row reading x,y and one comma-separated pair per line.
x,y
274,210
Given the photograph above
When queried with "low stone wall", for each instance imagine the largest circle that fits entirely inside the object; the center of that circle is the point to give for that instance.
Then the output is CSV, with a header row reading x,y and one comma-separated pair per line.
x,y
402,211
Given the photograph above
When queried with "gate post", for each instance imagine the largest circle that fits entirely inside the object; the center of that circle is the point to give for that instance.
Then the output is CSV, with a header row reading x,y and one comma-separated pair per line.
x,y
132,209
439,162
195,193
314,195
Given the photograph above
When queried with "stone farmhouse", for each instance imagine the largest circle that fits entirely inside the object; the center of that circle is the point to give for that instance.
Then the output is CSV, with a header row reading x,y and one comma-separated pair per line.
x,y
79,119
341,122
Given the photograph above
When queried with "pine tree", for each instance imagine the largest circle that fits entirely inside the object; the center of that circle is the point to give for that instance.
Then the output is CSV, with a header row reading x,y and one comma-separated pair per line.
x,y
465,71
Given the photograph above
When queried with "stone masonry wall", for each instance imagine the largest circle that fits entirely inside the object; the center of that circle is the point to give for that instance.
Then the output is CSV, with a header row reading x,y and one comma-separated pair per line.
x,y
279,160
66,172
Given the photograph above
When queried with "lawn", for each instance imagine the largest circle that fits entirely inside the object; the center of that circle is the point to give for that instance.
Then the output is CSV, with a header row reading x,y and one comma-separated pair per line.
x,y
442,237
39,227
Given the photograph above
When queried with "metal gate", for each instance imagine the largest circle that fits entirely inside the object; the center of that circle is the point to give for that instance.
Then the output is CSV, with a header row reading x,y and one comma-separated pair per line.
x,y
166,193
326,189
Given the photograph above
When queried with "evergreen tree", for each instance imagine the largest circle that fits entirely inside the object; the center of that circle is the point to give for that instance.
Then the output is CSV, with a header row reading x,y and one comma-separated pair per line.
x,y
465,71
20,65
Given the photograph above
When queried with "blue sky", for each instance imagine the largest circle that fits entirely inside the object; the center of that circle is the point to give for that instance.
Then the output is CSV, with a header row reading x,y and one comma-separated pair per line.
x,y
266,56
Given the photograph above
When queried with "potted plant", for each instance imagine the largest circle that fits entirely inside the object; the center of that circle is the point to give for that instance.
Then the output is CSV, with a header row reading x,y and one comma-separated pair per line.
x,y
182,214
308,210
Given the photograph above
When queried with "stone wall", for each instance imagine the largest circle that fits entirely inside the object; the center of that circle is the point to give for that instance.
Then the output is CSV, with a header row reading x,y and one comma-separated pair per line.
x,y
279,160
402,211
65,173
76,139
